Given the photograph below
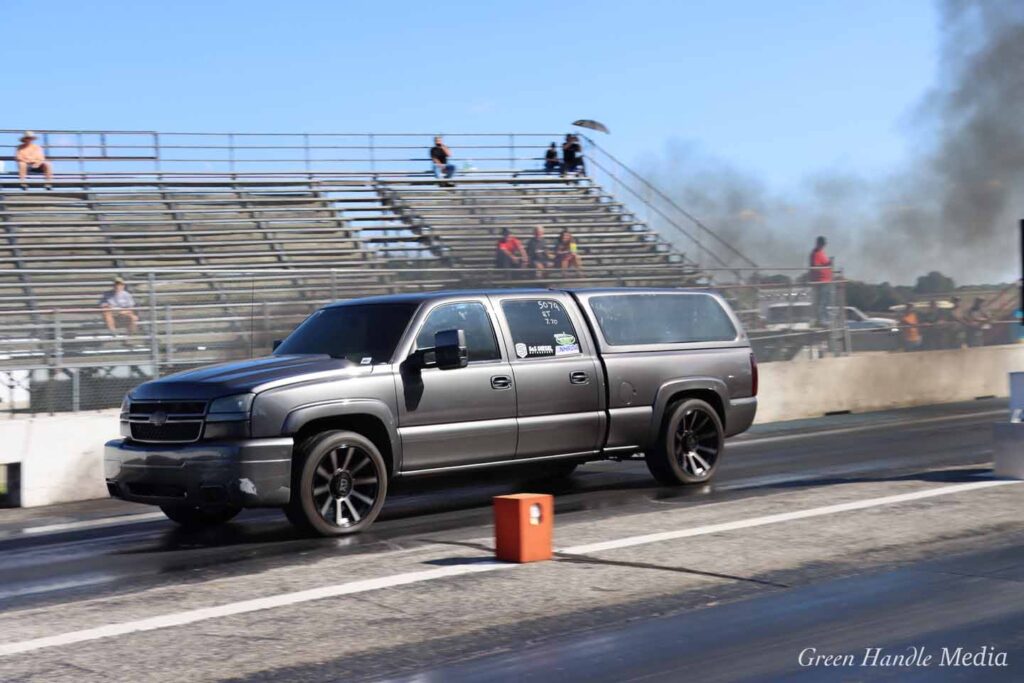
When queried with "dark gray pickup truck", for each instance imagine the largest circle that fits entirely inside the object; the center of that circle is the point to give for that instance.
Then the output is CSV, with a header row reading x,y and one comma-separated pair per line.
x,y
368,390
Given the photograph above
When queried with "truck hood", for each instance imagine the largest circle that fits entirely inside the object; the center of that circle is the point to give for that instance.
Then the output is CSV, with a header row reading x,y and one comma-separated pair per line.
x,y
239,377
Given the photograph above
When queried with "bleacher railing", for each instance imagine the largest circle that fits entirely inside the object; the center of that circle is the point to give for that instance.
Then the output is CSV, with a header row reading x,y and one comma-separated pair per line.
x,y
111,152
662,212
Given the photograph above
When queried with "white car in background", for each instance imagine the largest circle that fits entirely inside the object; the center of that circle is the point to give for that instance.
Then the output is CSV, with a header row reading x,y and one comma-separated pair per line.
x,y
799,316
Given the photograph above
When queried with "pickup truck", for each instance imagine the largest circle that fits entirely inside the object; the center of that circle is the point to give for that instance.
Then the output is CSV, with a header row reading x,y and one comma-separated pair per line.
x,y
369,390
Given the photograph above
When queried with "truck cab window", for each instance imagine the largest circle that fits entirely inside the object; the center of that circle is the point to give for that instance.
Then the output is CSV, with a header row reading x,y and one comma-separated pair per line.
x,y
540,327
472,318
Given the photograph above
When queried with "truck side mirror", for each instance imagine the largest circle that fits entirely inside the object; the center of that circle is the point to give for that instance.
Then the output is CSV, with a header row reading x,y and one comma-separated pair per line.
x,y
450,349
278,342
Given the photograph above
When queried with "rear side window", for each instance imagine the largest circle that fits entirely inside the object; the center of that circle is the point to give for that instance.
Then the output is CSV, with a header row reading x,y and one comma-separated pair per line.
x,y
628,319
540,328
470,317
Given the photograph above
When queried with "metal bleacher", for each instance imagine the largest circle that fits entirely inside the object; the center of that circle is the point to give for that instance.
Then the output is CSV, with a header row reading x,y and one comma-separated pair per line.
x,y
222,261
468,217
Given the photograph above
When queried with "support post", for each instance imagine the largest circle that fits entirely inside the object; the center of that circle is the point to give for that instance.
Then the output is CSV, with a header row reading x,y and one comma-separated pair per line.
x,y
154,346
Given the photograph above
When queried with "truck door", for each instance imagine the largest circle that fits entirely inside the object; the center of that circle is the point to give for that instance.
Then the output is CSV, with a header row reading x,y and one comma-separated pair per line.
x,y
559,386
460,416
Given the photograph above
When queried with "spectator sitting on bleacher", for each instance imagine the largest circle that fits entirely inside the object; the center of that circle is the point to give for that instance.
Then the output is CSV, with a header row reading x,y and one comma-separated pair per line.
x,y
31,159
551,162
119,302
567,251
572,156
439,155
509,252
538,252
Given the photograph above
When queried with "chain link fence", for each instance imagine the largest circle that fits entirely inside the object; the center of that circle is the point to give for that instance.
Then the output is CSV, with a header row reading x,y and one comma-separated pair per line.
x,y
67,358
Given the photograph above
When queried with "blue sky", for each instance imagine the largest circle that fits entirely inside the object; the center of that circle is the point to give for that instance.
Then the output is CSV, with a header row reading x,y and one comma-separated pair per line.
x,y
781,89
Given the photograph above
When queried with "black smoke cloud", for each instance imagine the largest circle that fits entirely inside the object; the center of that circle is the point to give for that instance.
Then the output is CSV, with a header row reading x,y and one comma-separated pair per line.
x,y
954,208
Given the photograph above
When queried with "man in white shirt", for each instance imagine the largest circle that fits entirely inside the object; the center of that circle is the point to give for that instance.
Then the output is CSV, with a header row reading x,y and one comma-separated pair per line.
x,y
119,302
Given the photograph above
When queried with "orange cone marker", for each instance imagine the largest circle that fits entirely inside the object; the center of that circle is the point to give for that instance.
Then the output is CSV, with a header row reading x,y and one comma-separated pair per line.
x,y
523,525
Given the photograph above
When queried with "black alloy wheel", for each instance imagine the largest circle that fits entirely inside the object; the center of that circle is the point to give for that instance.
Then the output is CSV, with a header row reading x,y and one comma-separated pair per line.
x,y
690,445
341,484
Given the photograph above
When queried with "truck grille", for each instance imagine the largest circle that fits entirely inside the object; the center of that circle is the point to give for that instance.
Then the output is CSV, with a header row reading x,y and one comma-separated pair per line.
x,y
172,432
166,421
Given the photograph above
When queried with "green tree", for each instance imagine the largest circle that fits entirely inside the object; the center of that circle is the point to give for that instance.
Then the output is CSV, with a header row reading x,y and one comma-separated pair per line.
x,y
934,283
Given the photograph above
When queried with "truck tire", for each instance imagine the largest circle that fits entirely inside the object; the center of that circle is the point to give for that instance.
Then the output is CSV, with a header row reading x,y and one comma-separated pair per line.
x,y
192,517
339,482
689,446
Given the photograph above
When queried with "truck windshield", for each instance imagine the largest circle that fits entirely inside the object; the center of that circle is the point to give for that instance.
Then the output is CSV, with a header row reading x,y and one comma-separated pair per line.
x,y
364,334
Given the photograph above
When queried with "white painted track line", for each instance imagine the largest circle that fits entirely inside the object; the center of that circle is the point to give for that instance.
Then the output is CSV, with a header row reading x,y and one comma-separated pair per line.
x,y
255,605
94,523
756,440
482,565
782,517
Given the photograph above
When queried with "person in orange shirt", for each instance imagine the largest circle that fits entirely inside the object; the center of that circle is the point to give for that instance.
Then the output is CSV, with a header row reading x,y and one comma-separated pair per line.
x,y
31,159
509,252
820,279
910,328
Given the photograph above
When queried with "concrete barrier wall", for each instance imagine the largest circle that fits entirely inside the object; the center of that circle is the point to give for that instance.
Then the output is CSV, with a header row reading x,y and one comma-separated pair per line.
x,y
62,455
878,381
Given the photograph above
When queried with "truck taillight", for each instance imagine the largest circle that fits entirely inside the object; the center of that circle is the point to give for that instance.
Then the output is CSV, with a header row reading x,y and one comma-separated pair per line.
x,y
753,375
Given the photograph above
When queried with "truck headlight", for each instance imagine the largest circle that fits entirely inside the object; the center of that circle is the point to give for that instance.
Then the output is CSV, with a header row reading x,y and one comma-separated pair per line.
x,y
228,417
230,408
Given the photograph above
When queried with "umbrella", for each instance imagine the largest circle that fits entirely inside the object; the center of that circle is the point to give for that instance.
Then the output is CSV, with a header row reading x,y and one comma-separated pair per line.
x,y
593,125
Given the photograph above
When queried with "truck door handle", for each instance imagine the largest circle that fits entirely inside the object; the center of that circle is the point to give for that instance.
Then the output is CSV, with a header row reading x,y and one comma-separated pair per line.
x,y
501,382
579,377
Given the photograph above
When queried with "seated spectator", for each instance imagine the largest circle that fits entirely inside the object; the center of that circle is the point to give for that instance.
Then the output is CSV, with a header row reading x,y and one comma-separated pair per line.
x,y
567,252
551,162
439,155
509,252
572,156
537,251
910,329
119,302
32,159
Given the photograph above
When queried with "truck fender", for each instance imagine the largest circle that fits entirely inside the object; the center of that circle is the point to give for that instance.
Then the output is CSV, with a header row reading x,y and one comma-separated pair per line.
x,y
302,415
675,386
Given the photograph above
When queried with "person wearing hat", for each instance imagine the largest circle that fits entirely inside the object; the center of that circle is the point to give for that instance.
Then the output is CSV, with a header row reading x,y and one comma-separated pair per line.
x,y
119,302
31,159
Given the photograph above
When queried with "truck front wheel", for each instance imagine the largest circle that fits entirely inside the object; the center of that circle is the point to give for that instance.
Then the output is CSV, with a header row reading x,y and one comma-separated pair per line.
x,y
339,481
690,444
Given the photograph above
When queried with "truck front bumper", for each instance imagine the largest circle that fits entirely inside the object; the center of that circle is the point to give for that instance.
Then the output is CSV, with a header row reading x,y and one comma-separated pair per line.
x,y
249,473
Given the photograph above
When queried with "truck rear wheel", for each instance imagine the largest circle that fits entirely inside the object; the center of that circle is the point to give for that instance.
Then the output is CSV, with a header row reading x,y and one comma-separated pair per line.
x,y
339,482
690,444
192,517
